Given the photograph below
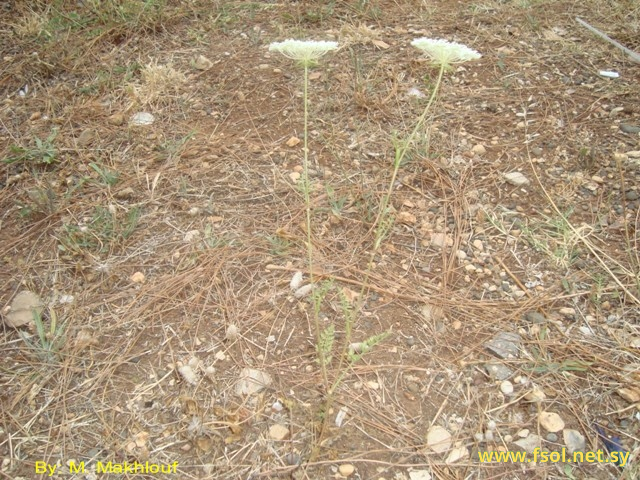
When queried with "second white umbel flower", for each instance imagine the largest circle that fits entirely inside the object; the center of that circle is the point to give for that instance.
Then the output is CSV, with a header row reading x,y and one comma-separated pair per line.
x,y
444,52
305,51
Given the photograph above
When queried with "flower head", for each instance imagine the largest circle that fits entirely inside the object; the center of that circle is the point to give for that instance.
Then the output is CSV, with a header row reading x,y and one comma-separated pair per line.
x,y
444,52
305,51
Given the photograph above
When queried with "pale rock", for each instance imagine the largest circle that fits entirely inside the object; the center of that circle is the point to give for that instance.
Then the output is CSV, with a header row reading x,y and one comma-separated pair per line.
x,y
137,277
567,312
22,309
479,149
294,176
202,63
441,240
116,119
438,439
278,432
419,475
530,443
142,118
535,396
551,421
574,441
407,218
498,371
346,469
630,394
516,178
457,453
506,387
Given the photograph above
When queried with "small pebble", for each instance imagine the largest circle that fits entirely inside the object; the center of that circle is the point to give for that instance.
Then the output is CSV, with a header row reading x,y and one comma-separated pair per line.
x,y
534,317
631,195
627,128
346,469
479,149
506,387
278,432
568,312
536,151
552,437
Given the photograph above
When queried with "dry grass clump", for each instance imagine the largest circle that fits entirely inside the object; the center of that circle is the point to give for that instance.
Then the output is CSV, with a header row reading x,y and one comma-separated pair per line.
x,y
160,84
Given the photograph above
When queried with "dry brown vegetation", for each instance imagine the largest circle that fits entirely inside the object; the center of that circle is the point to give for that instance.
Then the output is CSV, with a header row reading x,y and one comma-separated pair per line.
x,y
148,242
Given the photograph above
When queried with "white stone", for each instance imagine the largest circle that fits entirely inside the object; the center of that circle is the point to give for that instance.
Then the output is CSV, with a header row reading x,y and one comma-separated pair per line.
x,y
142,118
506,387
419,475
516,178
479,149
456,454
438,439
574,441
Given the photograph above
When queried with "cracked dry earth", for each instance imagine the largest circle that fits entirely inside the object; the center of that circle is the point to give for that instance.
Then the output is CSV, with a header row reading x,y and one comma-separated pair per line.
x,y
163,235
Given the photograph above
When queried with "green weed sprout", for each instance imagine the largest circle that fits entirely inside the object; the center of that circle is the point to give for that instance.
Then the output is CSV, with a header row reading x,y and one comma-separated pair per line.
x,y
49,341
307,53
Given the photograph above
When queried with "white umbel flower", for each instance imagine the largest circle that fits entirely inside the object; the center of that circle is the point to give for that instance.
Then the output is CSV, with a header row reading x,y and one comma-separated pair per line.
x,y
305,51
444,52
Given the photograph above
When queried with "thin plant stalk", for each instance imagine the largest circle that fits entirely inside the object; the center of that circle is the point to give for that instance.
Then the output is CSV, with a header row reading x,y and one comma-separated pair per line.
x,y
306,188
405,147
381,219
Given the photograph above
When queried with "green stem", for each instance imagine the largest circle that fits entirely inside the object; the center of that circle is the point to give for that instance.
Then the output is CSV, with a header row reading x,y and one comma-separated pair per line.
x,y
306,188
399,156
405,147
